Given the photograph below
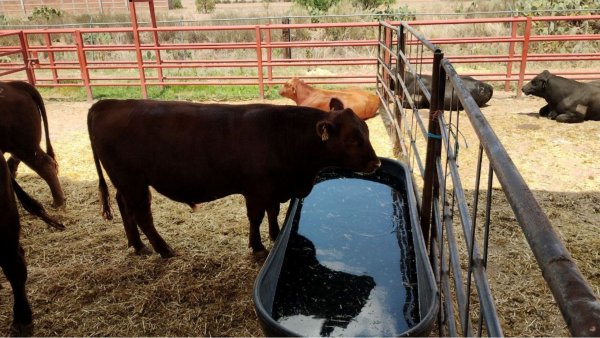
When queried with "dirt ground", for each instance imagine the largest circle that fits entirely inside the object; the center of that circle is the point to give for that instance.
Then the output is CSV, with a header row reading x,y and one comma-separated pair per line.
x,y
84,281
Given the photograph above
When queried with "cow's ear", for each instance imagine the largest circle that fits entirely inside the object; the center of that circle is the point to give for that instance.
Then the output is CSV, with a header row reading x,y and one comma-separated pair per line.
x,y
324,129
546,74
335,104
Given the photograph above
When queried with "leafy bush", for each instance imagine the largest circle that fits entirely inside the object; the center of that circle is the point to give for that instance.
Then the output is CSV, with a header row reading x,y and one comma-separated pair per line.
x,y
44,12
175,4
316,7
205,6
372,4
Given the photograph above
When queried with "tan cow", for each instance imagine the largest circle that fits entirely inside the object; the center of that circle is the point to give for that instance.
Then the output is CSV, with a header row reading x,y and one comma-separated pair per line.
x,y
363,103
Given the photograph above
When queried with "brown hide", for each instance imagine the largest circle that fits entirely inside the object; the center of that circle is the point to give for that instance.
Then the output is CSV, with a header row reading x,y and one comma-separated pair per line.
x,y
194,153
22,112
12,258
364,104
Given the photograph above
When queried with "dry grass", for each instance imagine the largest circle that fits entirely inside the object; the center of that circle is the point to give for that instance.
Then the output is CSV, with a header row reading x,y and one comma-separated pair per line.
x,y
84,281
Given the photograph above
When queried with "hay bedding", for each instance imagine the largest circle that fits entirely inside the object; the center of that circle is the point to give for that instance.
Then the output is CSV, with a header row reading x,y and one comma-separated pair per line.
x,y
84,281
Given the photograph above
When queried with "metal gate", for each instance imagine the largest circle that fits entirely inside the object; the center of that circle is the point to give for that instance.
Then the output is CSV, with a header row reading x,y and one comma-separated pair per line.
x,y
467,303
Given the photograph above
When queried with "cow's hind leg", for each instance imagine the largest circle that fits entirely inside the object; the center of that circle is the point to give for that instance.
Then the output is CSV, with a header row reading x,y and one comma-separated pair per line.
x,y
139,207
46,167
131,230
544,111
13,165
570,118
16,272
272,214
255,210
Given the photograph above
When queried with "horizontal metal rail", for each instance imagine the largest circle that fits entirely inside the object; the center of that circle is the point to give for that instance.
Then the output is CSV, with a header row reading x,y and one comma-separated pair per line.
x,y
44,57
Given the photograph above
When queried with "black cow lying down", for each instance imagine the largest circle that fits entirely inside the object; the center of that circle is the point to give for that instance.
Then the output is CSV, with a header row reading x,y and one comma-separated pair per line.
x,y
195,153
12,256
479,90
568,101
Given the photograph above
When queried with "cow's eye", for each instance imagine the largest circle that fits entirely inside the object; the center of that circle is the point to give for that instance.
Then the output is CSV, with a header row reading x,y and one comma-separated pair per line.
x,y
356,141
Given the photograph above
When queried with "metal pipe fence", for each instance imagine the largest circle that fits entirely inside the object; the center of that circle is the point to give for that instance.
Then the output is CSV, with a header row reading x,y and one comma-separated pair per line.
x,y
467,302
254,54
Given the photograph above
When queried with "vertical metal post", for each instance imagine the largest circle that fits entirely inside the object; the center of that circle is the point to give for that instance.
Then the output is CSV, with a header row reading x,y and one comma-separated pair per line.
x,y
259,64
269,53
51,58
433,145
156,43
524,53
511,52
85,74
138,51
25,54
387,58
286,35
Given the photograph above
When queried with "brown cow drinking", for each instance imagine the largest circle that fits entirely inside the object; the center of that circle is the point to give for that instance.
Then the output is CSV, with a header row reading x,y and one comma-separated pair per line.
x,y
364,104
194,153
21,107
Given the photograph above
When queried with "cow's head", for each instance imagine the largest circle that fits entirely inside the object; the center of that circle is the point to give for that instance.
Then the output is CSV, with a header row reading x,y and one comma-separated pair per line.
x,y
289,88
346,140
483,93
537,86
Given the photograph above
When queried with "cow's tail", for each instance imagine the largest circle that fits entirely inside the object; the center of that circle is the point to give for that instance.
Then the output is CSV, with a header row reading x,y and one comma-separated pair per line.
x,y
102,187
40,103
34,207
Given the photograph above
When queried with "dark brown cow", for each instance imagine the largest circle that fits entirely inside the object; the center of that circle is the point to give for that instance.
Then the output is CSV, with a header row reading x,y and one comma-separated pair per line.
x,y
12,256
21,107
194,153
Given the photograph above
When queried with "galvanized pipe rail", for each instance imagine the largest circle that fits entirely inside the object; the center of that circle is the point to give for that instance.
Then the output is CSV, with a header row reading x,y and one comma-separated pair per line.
x,y
575,299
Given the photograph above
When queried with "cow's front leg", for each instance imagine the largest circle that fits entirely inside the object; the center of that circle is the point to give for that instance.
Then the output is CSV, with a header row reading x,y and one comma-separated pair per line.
x,y
255,210
544,111
552,114
273,213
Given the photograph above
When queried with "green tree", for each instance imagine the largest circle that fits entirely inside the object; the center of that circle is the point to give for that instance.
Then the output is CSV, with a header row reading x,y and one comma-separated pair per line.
x,y
372,4
316,7
206,6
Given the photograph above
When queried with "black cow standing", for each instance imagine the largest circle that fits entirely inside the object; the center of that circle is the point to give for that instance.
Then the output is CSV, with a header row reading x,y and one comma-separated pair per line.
x,y
568,101
194,153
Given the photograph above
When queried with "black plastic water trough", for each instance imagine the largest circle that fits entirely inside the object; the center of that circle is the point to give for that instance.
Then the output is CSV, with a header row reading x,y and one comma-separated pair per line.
x,y
350,261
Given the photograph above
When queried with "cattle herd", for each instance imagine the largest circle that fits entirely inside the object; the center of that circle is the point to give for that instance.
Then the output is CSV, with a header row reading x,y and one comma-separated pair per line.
x,y
194,153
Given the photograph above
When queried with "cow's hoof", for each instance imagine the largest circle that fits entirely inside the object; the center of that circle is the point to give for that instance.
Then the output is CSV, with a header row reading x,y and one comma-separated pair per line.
x,y
143,251
21,330
260,255
167,252
273,235
57,204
